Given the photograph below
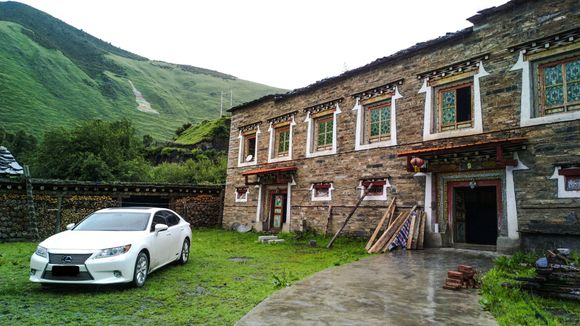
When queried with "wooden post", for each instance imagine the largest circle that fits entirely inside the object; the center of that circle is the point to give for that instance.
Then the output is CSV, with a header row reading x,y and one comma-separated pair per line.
x,y
58,215
329,220
30,202
378,229
349,215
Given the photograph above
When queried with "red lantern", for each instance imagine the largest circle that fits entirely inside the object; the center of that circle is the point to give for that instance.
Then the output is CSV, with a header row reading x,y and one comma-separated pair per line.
x,y
417,163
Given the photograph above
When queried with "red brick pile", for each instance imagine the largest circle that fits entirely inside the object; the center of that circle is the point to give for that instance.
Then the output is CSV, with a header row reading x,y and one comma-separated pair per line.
x,y
463,278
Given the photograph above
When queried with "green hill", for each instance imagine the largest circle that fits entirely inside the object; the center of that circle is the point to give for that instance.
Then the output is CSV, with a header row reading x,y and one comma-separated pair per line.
x,y
54,75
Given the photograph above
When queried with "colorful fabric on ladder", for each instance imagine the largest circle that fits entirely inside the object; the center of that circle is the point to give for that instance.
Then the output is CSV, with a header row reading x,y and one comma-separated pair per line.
x,y
401,237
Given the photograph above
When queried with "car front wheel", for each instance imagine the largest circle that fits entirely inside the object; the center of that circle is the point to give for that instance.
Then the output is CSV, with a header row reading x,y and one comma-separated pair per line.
x,y
184,257
141,269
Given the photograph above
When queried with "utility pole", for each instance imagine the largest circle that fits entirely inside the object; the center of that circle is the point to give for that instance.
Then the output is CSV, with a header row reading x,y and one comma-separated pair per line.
x,y
231,99
30,203
222,104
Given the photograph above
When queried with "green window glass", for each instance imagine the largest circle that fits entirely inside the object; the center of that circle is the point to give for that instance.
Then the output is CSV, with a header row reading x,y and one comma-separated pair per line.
x,y
283,141
379,121
325,127
448,107
560,86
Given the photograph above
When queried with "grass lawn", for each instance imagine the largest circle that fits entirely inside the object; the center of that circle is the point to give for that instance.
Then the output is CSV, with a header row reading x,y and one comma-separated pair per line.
x,y
211,289
510,306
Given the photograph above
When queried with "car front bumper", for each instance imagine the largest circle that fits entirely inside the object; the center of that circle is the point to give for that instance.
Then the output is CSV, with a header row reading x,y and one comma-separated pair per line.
x,y
117,269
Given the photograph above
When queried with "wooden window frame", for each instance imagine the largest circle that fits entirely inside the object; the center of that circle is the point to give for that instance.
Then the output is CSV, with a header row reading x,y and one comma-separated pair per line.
x,y
540,90
439,97
386,104
317,122
277,133
246,139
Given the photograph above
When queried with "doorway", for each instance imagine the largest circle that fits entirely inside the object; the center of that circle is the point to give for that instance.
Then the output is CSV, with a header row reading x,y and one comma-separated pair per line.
x,y
475,215
475,211
277,211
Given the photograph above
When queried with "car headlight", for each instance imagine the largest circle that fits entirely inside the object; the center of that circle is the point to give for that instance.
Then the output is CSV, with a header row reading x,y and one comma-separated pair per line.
x,y
41,251
110,252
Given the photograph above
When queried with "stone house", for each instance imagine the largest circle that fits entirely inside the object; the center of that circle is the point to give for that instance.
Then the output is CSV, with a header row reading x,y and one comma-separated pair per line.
x,y
480,128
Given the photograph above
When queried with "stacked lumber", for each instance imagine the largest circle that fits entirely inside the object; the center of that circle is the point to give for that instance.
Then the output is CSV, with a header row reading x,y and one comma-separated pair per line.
x,y
556,278
462,278
405,231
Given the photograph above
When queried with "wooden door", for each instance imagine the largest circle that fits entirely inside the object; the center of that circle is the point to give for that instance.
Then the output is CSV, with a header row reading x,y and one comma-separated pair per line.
x,y
277,210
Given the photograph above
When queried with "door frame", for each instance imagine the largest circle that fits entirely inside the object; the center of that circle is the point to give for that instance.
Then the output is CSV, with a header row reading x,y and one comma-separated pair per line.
x,y
270,220
451,185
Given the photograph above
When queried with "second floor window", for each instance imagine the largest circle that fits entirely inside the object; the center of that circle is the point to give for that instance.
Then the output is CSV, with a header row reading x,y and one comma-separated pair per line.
x,y
558,86
282,145
455,106
378,122
323,132
249,147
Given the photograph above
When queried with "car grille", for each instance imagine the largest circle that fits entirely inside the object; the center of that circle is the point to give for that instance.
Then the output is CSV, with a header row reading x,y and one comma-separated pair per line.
x,y
76,259
81,276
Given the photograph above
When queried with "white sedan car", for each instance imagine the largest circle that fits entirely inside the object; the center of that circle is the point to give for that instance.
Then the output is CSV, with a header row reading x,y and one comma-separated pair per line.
x,y
113,245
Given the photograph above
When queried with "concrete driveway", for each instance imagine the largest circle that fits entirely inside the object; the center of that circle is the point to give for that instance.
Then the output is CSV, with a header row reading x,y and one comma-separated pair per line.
x,y
399,288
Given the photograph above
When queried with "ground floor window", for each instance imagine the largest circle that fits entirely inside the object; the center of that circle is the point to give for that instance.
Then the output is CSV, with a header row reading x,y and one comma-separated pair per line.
x,y
322,191
377,190
242,194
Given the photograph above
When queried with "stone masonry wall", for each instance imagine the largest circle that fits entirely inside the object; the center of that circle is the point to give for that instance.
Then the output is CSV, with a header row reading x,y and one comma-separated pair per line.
x,y
201,209
500,96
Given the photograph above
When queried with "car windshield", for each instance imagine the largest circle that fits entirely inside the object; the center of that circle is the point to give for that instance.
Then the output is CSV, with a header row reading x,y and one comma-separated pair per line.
x,y
114,221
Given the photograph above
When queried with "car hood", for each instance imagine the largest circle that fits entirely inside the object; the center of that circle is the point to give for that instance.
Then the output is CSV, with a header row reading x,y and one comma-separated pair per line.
x,y
91,240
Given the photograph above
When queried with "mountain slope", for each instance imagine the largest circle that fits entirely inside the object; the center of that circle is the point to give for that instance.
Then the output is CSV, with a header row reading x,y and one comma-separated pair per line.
x,y
54,75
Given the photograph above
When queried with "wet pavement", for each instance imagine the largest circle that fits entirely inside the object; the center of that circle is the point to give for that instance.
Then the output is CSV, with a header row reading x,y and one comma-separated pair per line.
x,y
399,288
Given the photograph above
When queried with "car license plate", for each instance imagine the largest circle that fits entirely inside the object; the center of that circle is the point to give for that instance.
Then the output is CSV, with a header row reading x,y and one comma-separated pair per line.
x,y
65,270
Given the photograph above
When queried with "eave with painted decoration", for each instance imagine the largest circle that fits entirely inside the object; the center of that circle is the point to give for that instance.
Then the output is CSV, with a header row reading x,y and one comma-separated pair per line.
x,y
482,155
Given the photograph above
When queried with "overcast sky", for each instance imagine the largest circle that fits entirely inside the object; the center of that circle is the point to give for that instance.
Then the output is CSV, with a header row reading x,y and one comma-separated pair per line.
x,y
287,44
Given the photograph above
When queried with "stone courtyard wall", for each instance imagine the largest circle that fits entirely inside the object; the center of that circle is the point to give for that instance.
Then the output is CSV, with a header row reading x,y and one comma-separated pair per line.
x,y
58,203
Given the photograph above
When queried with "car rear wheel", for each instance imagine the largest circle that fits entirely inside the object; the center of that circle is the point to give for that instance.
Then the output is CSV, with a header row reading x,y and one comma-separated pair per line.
x,y
141,269
184,257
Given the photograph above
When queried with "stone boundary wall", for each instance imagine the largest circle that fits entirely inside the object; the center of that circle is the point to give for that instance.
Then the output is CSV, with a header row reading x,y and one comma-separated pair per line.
x,y
58,203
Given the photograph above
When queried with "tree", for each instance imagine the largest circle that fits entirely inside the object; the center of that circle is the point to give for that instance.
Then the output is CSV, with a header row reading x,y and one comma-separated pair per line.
x,y
95,151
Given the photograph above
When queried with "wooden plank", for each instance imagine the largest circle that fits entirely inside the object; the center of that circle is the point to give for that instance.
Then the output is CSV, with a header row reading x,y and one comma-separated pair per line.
x,y
349,215
416,231
396,228
380,225
328,220
422,231
383,239
391,215
411,230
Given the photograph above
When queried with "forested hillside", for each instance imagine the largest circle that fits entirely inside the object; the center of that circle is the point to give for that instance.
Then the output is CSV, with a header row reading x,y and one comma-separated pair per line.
x,y
54,75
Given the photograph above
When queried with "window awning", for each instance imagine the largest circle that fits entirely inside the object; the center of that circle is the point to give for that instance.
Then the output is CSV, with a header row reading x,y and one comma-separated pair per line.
x,y
279,175
486,154
270,171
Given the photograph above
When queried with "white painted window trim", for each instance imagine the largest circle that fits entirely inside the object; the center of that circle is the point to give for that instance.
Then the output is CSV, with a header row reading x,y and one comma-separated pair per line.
x,y
310,132
511,202
361,188
272,144
241,162
562,192
431,109
527,99
328,198
360,125
244,198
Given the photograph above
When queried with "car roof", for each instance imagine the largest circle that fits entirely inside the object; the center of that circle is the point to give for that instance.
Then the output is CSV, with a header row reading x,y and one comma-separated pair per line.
x,y
133,209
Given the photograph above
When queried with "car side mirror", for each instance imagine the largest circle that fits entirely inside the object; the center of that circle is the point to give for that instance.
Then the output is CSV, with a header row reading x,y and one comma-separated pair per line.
x,y
160,227
70,226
